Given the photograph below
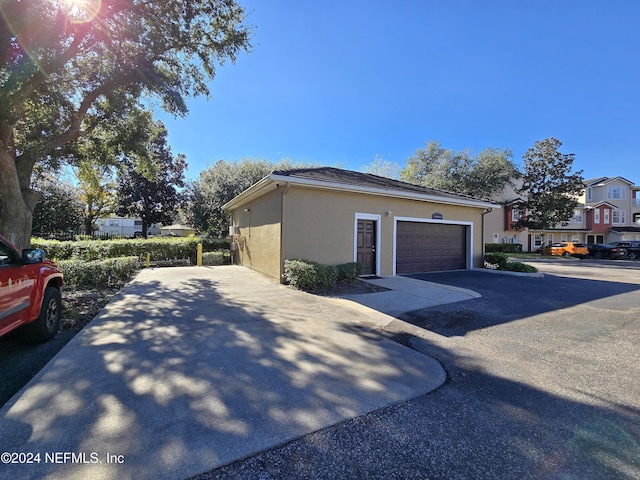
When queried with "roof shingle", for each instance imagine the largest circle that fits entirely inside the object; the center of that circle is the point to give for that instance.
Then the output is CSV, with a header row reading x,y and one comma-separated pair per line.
x,y
349,177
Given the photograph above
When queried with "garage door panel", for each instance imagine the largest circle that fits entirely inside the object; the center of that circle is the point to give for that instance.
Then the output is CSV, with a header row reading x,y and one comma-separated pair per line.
x,y
430,247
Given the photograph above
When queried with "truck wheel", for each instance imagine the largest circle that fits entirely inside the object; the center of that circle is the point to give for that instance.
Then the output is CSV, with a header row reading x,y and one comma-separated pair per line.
x,y
634,256
47,323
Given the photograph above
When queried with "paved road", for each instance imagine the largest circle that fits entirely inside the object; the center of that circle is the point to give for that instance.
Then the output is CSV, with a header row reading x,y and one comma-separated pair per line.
x,y
543,384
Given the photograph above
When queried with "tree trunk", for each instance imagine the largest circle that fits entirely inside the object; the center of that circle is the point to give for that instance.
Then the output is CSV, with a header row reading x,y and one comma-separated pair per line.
x,y
16,222
18,202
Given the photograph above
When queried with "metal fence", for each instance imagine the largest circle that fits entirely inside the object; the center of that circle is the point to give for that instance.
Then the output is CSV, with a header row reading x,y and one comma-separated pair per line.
x,y
78,235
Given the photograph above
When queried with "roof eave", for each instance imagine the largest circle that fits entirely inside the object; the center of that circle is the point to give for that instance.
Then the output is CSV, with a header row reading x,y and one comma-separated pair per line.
x,y
254,191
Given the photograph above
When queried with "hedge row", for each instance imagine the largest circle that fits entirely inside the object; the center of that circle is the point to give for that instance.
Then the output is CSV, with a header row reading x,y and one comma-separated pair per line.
x,y
98,273
158,248
503,247
215,258
309,276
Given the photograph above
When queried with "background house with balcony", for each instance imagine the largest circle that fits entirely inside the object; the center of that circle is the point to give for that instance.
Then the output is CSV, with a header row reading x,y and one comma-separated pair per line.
x,y
608,211
613,209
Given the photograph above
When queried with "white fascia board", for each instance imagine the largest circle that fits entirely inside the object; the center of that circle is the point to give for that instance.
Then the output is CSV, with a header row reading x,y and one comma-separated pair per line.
x,y
383,192
250,193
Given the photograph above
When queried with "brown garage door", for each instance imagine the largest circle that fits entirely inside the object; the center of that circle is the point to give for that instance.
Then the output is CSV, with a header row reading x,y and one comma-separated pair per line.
x,y
430,247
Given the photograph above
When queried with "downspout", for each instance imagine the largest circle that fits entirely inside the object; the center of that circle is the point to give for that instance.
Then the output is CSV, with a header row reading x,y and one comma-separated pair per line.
x,y
283,193
487,210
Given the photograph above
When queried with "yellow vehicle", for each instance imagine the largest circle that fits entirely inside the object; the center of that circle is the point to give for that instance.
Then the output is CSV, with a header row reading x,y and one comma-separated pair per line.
x,y
567,249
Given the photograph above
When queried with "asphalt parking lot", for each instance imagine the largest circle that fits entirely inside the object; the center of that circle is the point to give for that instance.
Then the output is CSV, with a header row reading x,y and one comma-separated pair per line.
x,y
542,383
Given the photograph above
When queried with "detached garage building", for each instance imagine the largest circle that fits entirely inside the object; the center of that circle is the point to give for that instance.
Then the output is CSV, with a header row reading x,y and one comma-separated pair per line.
x,y
337,216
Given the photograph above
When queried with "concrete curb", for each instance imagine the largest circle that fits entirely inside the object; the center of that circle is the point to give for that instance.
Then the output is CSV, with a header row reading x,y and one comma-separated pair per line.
x,y
514,274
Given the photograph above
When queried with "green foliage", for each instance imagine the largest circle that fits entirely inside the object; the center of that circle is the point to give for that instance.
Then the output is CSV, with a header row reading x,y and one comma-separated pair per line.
x,y
148,188
481,176
159,248
218,185
311,276
59,209
383,168
503,247
98,273
64,73
520,267
498,259
215,258
349,272
308,275
549,188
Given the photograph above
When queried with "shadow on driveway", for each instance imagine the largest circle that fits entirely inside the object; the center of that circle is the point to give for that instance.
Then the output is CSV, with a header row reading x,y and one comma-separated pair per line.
x,y
179,375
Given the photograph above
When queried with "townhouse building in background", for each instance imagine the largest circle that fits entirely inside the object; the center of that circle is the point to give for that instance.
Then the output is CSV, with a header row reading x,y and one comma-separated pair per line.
x,y
607,211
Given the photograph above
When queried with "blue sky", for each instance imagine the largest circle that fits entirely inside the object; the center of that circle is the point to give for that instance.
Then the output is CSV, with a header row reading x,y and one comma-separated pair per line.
x,y
341,82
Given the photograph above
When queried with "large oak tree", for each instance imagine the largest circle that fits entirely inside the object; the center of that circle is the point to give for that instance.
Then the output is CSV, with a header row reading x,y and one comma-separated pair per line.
x,y
67,67
550,189
149,189
483,175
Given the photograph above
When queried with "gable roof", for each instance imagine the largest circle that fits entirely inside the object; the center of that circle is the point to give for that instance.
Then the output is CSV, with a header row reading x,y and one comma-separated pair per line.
x,y
599,204
604,180
331,178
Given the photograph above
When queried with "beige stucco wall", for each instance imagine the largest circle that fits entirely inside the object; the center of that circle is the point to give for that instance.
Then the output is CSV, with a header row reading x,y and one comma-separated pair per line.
x,y
258,240
319,224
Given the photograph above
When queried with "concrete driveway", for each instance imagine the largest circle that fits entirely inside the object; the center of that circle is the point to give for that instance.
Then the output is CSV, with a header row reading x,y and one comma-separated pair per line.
x,y
191,368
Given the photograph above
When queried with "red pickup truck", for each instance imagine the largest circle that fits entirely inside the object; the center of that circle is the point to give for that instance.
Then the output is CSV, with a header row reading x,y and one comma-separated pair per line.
x,y
30,295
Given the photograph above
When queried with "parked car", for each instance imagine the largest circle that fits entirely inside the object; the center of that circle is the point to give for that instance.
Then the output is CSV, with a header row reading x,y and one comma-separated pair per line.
x,y
567,249
632,247
600,250
30,297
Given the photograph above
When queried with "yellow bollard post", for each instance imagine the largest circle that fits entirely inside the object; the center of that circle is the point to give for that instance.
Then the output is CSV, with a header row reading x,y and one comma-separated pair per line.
x,y
199,254
148,259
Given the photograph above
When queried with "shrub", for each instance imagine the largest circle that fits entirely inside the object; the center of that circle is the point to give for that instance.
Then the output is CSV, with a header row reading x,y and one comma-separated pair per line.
x,y
96,274
160,248
500,260
215,258
503,247
308,275
348,272
520,267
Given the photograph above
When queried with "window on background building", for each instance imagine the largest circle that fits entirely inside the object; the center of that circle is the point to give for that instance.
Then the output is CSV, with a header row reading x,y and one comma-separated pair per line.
x,y
619,217
590,239
549,238
606,215
589,194
575,237
577,216
114,223
537,240
563,237
496,237
596,215
515,215
615,193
